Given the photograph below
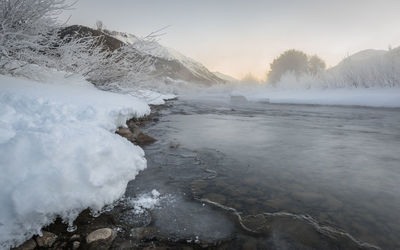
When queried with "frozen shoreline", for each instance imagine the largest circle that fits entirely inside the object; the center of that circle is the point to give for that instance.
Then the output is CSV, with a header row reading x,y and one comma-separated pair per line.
x,y
59,152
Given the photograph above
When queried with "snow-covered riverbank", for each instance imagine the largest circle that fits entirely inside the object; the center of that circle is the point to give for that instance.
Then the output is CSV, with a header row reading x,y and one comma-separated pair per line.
x,y
58,150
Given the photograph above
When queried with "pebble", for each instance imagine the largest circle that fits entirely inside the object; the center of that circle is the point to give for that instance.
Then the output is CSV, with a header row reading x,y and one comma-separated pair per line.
x,y
46,240
27,245
101,234
76,245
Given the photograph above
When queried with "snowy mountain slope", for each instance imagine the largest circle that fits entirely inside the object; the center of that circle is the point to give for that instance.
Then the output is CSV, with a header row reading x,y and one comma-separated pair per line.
x,y
225,77
171,63
367,68
367,54
360,58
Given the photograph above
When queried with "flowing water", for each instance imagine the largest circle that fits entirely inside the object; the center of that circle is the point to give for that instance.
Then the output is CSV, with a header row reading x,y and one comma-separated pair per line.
x,y
269,176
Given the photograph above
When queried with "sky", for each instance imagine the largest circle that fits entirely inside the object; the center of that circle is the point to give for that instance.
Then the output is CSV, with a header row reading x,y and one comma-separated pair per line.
x,y
241,37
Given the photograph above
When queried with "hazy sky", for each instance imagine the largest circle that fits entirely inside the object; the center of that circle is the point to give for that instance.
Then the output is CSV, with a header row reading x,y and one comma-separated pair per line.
x,y
238,37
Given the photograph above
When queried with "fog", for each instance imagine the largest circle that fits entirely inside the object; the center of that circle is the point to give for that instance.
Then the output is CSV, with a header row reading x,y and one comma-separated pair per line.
x,y
241,37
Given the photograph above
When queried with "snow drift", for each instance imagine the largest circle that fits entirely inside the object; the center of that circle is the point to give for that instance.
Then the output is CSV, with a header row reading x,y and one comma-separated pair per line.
x,y
58,151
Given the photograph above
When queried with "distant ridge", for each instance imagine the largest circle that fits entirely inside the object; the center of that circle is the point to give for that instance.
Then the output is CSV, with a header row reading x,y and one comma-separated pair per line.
x,y
168,64
172,63
225,77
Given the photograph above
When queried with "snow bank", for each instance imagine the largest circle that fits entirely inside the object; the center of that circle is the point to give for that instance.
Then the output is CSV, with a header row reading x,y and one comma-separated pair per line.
x,y
58,151
152,97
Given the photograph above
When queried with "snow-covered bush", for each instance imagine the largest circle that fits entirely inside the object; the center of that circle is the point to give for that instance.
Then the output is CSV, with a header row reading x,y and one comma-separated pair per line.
x,y
27,29
126,64
30,34
89,57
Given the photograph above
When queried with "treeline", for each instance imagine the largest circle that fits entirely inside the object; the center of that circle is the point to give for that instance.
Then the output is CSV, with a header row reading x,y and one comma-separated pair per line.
x,y
364,69
295,62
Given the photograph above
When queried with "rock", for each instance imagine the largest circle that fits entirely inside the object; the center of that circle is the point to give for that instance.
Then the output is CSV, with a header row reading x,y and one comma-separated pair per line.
x,y
331,203
61,246
75,237
174,145
76,245
137,136
255,223
136,130
143,139
155,248
106,234
308,197
27,245
47,240
187,248
238,99
250,244
143,233
101,239
126,133
216,198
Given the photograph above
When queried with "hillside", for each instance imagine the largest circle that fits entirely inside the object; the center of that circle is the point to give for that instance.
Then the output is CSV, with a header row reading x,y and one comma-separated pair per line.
x,y
360,57
172,63
225,77
167,64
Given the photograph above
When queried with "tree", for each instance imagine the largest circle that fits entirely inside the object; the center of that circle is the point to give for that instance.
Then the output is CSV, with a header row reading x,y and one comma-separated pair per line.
x,y
289,61
99,25
316,65
27,28
30,34
294,62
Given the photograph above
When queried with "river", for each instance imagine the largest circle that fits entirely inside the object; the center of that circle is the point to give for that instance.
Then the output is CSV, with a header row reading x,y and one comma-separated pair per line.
x,y
275,176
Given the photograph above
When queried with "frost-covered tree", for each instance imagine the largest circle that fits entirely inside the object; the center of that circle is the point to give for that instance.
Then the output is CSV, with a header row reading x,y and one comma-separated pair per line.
x,y
27,28
296,63
289,61
30,34
315,65
99,25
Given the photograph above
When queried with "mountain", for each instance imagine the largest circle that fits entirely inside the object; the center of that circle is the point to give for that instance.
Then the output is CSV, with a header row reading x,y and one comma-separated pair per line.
x,y
167,64
367,68
225,77
359,59
366,54
171,63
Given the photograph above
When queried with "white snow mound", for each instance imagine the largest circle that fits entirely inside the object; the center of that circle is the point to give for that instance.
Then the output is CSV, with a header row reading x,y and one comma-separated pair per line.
x,y
59,153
